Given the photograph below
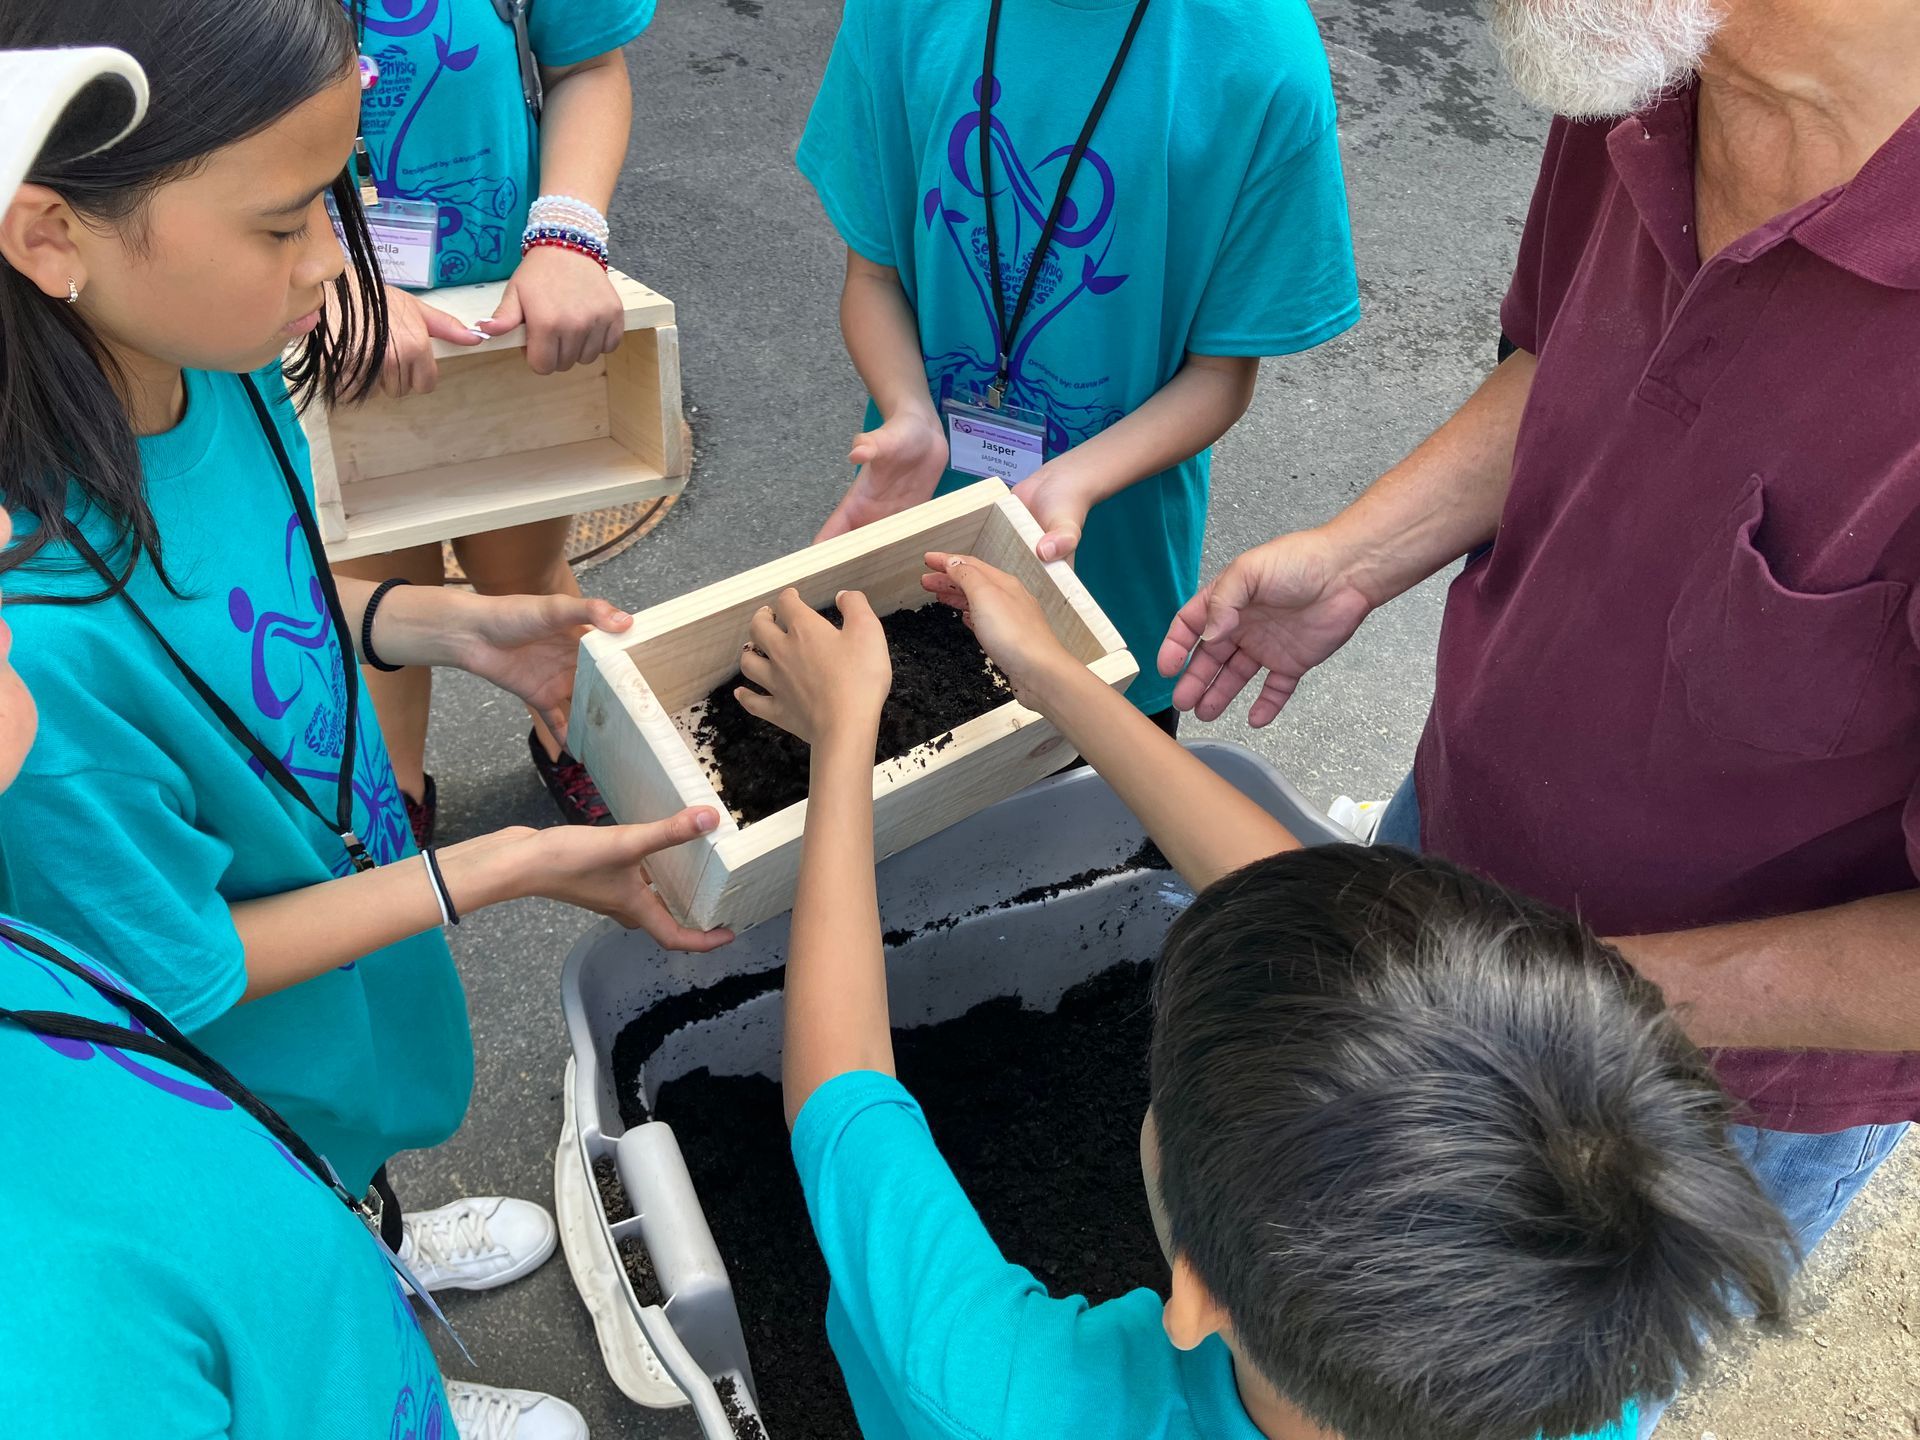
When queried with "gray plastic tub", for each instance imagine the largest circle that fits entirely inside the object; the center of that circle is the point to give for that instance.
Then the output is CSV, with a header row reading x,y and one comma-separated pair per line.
x,y
954,941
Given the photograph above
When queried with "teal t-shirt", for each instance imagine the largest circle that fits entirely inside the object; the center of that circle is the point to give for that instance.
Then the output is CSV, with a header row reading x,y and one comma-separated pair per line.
x,y
168,1267
447,122
138,820
940,1338
1209,216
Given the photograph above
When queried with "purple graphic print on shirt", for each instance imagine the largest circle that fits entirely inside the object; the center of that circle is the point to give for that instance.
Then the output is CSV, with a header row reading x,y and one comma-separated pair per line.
x,y
480,213
1082,240
293,659
167,1082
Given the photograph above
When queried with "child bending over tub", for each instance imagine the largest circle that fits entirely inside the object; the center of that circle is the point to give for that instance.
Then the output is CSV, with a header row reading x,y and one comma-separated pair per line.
x,y
1427,1160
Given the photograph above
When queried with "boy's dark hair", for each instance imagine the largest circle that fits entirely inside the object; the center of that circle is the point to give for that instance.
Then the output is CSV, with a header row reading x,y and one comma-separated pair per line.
x,y
1448,1163
219,71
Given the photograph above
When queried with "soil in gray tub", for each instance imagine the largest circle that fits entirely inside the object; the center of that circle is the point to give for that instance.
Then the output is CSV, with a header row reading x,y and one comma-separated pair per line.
x,y
1039,1116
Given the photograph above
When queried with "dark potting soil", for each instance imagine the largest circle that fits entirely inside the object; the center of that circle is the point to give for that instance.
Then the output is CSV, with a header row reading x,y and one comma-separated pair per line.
x,y
633,1255
1039,1116
613,1195
745,1425
941,679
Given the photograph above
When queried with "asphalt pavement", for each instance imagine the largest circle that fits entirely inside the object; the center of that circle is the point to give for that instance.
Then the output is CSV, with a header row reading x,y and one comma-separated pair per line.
x,y
711,212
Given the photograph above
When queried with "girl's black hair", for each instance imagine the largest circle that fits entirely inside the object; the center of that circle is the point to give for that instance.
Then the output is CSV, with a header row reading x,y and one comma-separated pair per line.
x,y
219,71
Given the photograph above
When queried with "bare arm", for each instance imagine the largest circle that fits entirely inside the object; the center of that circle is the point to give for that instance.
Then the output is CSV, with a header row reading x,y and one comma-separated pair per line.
x,y
584,127
902,461
1285,606
1845,978
295,936
572,313
826,686
1205,826
1206,395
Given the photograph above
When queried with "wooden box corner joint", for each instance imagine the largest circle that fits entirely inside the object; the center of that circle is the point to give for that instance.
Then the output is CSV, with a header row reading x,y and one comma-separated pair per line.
x,y
494,444
631,686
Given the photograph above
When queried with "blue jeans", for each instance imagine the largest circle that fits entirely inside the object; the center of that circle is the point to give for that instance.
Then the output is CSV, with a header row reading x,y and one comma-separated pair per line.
x,y
1812,1178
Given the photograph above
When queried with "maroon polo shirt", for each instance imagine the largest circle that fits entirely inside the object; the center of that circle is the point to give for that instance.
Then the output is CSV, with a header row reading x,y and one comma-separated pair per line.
x,y
1683,687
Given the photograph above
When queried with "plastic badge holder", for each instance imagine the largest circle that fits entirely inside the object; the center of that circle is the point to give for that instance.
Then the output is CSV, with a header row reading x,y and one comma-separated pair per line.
x,y
1057,829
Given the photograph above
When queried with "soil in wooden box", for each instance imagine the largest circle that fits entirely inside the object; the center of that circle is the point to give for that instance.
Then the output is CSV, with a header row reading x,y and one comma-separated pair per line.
x,y
940,679
1039,1115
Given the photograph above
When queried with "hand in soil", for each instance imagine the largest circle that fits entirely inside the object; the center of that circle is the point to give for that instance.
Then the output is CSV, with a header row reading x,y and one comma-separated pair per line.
x,y
900,464
1006,620
815,681
940,680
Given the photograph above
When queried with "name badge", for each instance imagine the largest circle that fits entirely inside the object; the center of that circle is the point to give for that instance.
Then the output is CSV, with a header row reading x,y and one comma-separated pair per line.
x,y
1007,443
406,240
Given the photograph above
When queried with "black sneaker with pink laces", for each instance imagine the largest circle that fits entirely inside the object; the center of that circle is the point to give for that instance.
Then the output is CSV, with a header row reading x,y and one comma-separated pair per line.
x,y
423,813
573,790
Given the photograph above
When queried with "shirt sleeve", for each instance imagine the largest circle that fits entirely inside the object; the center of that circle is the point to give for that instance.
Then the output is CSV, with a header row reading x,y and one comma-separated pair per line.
x,y
1566,198
939,1316
565,32
839,151
108,861
1283,279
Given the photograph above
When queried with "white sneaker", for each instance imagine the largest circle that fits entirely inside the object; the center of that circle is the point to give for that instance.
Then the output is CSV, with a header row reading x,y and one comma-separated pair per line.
x,y
1360,818
487,1412
477,1243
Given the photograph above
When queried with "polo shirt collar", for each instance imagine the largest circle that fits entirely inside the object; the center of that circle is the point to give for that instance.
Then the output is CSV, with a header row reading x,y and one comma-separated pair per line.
x,y
1870,226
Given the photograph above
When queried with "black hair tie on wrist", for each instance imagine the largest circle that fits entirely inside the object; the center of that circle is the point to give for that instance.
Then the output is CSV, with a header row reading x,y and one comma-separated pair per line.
x,y
440,891
366,626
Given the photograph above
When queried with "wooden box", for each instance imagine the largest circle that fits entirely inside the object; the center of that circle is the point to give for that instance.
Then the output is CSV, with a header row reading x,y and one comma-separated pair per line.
x,y
495,444
632,686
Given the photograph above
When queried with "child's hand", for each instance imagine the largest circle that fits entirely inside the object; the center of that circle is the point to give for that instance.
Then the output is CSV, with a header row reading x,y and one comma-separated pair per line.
x,y
412,327
900,464
572,312
820,682
1058,499
1007,621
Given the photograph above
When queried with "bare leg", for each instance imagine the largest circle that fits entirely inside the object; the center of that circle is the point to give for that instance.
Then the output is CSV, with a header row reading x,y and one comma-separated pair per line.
x,y
523,560
402,698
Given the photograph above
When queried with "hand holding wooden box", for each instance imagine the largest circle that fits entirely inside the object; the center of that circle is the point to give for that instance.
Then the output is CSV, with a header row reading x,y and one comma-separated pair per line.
x,y
632,685
495,444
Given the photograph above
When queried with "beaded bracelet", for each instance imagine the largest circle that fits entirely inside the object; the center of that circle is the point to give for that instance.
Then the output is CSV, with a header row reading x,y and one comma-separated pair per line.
x,y
567,233
554,243
568,210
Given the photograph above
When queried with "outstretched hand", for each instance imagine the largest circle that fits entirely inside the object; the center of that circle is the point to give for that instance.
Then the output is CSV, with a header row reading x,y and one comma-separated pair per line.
x,y
602,868
529,646
900,465
1282,607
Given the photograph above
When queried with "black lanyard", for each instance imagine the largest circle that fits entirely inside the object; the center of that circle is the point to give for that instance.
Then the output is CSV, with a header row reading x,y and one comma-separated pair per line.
x,y
162,1040
1009,329
341,822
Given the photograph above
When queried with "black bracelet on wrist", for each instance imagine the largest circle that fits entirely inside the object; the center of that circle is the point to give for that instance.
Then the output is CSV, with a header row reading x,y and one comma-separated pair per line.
x,y
448,914
366,625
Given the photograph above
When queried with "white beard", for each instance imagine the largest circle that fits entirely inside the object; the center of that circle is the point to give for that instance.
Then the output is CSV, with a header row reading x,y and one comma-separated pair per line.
x,y
1596,59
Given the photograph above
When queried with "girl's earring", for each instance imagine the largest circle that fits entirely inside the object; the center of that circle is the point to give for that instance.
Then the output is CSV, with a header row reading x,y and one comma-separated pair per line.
x,y
73,292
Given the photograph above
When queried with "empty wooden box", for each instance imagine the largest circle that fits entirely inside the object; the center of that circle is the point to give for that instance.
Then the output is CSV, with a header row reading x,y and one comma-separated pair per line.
x,y
495,444
631,686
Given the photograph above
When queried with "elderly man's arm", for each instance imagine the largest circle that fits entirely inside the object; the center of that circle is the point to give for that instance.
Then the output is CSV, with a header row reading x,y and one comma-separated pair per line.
x,y
1847,978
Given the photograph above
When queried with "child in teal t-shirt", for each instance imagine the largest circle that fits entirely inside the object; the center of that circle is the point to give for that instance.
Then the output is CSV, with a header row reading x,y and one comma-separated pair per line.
x,y
169,1267
1425,1158
210,805
1206,226
453,142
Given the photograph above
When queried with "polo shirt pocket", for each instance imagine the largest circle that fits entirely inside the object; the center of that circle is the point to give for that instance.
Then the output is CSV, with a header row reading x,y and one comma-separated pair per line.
x,y
1789,671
